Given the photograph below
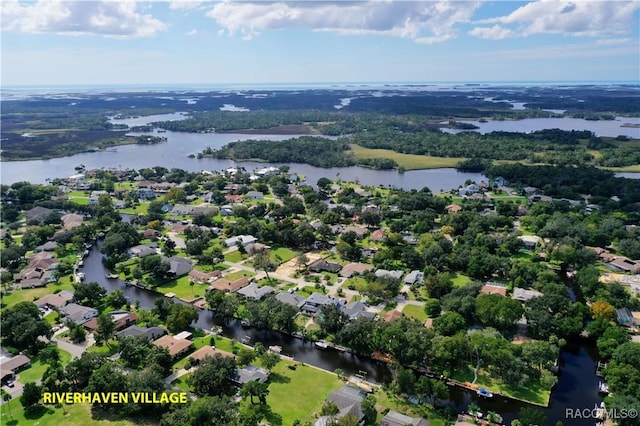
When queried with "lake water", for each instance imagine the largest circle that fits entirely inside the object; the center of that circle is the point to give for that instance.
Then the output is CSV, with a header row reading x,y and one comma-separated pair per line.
x,y
175,151
611,128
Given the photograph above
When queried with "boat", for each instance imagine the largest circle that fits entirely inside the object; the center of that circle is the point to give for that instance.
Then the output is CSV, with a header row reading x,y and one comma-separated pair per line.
x,y
245,323
485,392
216,330
322,344
80,277
112,276
246,340
275,349
603,388
298,335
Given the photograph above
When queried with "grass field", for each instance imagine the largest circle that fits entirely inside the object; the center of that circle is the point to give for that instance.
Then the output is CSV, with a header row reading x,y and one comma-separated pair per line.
x,y
182,288
239,274
415,312
78,414
234,256
298,394
29,295
38,368
408,161
282,254
460,280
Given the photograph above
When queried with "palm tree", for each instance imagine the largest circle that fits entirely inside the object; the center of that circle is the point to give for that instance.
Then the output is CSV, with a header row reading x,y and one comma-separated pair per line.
x,y
6,397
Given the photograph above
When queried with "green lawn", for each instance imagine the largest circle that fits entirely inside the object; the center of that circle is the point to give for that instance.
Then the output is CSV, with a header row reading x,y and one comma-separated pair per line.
x,y
182,288
141,208
104,349
282,254
29,295
298,394
239,274
408,161
460,280
234,256
78,414
401,405
415,312
37,368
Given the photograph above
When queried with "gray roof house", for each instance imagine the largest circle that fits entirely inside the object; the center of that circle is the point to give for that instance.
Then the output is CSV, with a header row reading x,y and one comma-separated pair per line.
x,y
524,295
314,302
348,399
179,266
255,292
356,310
393,418
625,318
151,333
245,240
291,299
254,195
250,373
414,277
143,250
78,313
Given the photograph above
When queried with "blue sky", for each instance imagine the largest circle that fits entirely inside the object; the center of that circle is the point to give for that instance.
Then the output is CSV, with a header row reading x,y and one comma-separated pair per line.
x,y
50,42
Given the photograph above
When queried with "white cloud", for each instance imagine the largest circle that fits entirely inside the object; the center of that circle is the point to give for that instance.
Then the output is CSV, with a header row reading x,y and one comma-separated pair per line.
x,y
491,33
184,4
192,33
422,21
119,19
577,18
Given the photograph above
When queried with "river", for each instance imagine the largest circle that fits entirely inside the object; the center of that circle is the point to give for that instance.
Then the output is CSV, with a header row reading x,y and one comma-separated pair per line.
x,y
576,388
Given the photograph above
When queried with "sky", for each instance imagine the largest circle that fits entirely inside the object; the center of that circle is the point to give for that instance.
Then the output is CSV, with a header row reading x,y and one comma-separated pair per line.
x,y
183,42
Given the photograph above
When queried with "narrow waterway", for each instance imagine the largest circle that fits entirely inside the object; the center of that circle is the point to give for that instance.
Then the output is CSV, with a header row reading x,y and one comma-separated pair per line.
x,y
576,388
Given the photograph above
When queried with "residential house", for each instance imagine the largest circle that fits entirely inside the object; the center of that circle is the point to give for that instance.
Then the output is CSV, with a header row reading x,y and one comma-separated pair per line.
x,y
37,214
226,210
356,310
208,351
360,231
392,315
348,399
245,240
291,299
315,302
255,292
143,250
145,193
494,288
151,333
204,210
393,418
178,266
383,273
233,199
9,367
254,195
530,241
49,246
355,268
151,233
120,319
377,235
95,197
412,240
176,347
203,277
322,265
625,318
225,285
414,277
55,301
469,190
524,295
250,373
625,264
31,277
500,181
453,208
71,220
78,313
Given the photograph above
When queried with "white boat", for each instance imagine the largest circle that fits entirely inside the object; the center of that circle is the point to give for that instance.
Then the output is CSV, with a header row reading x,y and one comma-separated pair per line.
x,y
275,349
322,344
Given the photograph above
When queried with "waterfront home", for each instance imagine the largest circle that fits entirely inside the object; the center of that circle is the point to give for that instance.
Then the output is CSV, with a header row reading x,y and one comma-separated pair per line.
x,y
143,250
208,351
393,418
255,292
71,220
315,302
225,285
78,313
348,399
250,373
176,347
291,299
356,310
178,266
151,333
203,277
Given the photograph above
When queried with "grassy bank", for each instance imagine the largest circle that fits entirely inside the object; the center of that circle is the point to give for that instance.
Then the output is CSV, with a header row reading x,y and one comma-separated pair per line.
x,y
408,161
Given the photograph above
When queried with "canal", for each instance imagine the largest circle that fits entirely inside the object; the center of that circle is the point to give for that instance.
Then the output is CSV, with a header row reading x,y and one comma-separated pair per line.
x,y
576,388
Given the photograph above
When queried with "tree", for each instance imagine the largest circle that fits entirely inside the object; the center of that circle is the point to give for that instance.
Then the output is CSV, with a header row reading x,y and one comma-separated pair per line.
x,y
612,338
499,312
116,299
89,294
108,378
449,323
532,417
134,350
332,319
406,381
269,360
245,356
302,260
30,398
21,326
6,397
262,261
257,389
432,307
211,377
369,409
106,328
169,247
77,333
603,309
181,317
